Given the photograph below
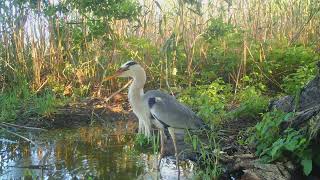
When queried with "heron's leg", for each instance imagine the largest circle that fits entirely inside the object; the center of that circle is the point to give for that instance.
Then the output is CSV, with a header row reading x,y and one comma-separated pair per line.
x,y
162,141
172,134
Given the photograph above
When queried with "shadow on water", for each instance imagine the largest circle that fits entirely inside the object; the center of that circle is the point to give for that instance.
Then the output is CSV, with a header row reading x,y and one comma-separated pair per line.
x,y
83,153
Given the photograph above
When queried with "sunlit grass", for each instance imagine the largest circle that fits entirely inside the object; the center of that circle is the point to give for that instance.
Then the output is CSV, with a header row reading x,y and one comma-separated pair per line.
x,y
20,102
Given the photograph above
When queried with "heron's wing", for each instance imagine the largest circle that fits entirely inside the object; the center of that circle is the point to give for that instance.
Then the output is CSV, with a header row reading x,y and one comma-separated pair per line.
x,y
170,112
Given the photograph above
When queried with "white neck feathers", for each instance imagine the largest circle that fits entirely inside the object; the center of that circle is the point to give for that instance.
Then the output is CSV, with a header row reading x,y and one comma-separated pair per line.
x,y
136,101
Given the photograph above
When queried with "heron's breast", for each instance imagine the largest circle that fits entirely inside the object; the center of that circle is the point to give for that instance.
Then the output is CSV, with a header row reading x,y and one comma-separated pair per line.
x,y
138,107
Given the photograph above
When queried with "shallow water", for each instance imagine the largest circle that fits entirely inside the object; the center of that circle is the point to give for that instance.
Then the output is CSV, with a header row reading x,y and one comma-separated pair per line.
x,y
83,153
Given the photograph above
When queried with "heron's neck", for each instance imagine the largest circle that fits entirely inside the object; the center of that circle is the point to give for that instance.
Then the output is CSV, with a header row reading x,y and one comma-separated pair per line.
x,y
136,101
136,88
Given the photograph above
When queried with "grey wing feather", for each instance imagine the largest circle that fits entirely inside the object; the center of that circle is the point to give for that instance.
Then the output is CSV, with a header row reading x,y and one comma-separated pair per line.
x,y
171,112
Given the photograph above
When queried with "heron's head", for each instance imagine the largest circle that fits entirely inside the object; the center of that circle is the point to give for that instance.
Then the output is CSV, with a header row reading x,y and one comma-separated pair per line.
x,y
128,69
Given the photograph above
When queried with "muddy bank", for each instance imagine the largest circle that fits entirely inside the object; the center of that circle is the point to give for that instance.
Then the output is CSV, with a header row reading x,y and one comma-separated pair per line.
x,y
83,113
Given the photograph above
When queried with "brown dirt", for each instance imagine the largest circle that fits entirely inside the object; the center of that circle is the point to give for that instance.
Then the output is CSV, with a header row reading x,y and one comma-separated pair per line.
x,y
232,133
83,113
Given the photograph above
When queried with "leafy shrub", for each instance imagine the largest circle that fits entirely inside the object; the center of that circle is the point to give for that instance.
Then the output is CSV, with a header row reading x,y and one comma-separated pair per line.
x,y
208,100
218,29
225,43
252,103
272,144
284,63
295,81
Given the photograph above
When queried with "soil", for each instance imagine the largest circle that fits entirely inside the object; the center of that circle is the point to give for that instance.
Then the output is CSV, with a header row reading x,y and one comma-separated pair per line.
x,y
83,113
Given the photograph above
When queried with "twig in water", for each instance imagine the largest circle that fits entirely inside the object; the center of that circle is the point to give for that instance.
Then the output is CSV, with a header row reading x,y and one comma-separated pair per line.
x,y
32,167
25,127
22,137
95,114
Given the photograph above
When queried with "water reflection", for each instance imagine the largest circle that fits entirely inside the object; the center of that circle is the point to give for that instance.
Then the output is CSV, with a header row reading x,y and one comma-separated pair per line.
x,y
84,153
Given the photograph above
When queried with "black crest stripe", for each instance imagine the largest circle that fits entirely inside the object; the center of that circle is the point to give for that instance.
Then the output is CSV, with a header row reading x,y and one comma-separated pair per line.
x,y
131,63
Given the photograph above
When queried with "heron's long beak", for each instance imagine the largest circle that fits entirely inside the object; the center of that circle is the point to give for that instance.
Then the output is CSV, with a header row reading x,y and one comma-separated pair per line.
x,y
117,73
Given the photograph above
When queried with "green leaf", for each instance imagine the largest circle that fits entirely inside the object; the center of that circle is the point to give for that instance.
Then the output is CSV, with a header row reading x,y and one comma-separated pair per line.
x,y
288,116
307,166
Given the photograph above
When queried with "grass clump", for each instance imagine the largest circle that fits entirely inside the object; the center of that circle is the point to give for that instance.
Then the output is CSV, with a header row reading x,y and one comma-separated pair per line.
x,y
20,102
209,155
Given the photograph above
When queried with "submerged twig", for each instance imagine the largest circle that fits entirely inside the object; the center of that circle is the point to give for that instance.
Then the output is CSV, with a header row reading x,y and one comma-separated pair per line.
x,y
43,160
32,167
19,126
16,134
7,141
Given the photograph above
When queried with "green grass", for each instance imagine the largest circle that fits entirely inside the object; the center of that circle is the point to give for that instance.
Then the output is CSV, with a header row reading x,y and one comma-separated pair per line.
x,y
20,102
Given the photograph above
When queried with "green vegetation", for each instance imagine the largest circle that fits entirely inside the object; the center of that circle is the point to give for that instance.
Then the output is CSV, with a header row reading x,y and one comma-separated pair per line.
x,y
224,61
272,144
20,103
209,154
208,100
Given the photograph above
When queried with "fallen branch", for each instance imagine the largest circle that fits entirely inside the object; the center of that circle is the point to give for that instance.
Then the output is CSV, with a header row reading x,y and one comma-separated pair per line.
x,y
44,83
25,127
45,167
115,93
22,137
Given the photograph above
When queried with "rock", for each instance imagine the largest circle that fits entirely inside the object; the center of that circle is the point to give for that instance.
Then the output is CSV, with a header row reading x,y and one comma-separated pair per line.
x,y
310,94
284,104
249,167
249,175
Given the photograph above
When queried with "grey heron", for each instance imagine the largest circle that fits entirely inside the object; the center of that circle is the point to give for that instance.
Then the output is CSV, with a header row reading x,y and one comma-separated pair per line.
x,y
156,107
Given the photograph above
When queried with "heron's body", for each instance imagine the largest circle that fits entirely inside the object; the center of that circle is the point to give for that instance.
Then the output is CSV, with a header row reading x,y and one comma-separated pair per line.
x,y
156,107
170,112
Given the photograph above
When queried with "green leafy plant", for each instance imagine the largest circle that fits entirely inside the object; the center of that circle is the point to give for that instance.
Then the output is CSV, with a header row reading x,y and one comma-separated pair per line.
x,y
209,152
208,100
287,64
295,81
141,140
272,144
252,104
